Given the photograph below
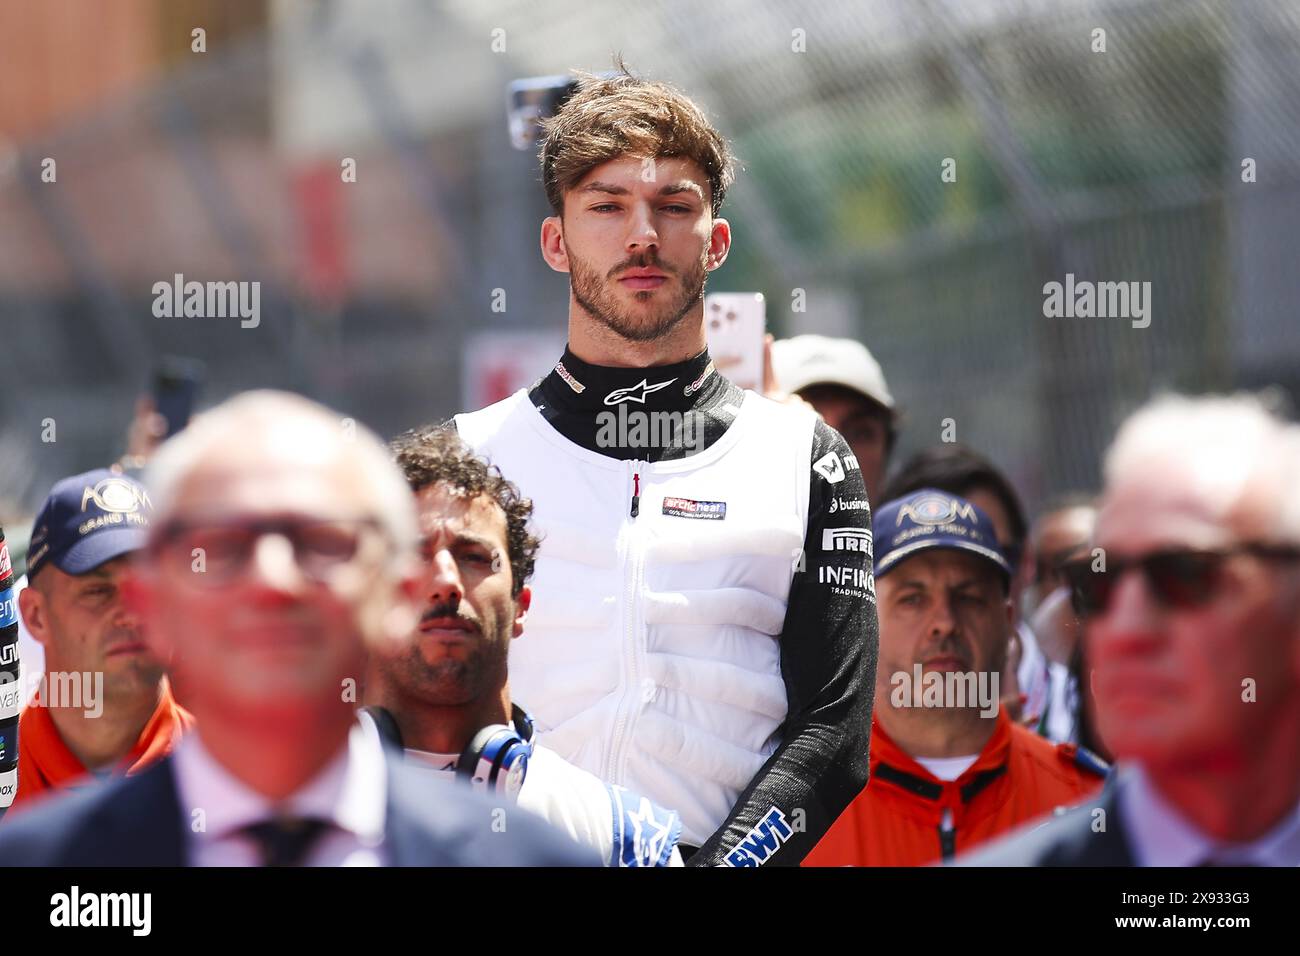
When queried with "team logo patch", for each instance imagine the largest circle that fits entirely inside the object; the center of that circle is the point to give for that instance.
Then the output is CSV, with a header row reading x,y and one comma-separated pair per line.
x,y
830,467
935,509
8,618
848,504
568,377
686,508
635,393
854,582
116,496
5,566
846,539
694,387
758,845
644,834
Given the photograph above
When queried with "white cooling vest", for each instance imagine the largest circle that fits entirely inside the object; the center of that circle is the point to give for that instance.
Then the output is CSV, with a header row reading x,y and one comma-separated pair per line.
x,y
651,654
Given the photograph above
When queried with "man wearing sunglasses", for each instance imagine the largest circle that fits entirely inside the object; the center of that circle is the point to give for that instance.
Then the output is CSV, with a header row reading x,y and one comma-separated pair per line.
x,y
282,547
1192,633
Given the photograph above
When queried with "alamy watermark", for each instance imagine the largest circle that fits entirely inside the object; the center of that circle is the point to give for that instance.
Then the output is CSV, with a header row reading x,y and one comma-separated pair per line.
x,y
946,689
637,428
209,300
70,689
1103,300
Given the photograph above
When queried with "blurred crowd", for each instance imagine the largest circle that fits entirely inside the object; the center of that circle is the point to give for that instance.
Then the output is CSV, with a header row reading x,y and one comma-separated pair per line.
x,y
1145,638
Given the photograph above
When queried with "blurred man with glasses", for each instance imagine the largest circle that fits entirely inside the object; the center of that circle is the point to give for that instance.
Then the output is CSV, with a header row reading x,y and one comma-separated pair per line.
x,y
282,548
1192,634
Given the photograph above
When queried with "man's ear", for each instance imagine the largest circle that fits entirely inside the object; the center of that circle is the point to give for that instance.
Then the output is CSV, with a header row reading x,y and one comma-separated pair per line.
x,y
35,612
719,244
522,603
553,251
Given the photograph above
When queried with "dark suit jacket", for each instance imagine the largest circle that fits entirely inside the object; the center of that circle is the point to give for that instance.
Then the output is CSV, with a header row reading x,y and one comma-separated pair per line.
x,y
138,821
1070,839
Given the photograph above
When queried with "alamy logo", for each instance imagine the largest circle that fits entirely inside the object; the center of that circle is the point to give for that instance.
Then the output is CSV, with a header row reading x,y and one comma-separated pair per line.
x,y
635,393
846,539
946,689
638,428
75,908
209,300
1102,300
758,845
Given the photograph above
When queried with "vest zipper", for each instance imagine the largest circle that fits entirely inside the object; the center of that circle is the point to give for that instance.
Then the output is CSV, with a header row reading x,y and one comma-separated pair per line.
x,y
631,594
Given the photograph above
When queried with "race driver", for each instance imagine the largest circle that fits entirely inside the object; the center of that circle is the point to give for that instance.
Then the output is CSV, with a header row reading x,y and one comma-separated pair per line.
x,y
704,628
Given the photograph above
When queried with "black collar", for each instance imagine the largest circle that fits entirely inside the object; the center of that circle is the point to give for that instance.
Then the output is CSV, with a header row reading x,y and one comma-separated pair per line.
x,y
578,386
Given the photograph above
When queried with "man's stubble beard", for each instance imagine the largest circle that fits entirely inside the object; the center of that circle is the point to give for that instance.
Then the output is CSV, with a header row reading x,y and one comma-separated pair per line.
x,y
450,682
592,292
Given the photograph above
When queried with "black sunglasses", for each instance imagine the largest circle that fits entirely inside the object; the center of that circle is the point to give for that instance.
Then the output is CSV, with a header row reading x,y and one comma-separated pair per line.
x,y
1179,578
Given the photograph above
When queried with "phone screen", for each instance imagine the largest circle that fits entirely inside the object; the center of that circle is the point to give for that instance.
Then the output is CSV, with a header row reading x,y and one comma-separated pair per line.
x,y
175,391
735,323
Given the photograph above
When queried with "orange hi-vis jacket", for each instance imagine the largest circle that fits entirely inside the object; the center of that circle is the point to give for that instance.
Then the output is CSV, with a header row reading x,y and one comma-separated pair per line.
x,y
896,820
46,765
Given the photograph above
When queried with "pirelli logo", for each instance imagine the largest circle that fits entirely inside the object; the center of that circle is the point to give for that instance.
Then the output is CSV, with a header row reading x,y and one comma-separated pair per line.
x,y
847,539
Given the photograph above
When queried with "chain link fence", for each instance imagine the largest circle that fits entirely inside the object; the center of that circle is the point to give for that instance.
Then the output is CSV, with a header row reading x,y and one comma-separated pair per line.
x,y
916,173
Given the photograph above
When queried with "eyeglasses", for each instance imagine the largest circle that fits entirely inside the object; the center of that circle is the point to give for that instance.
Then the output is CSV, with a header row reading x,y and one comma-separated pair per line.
x,y
1180,579
215,553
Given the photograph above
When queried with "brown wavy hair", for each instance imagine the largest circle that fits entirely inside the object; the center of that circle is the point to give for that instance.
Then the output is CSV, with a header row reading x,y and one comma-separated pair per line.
x,y
435,453
626,115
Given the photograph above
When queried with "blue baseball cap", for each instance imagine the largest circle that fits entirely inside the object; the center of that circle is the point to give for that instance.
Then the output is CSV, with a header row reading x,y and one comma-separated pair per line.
x,y
89,519
930,518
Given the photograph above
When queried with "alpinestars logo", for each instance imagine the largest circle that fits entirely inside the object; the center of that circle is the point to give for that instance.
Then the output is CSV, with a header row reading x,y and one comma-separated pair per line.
x,y
758,845
635,393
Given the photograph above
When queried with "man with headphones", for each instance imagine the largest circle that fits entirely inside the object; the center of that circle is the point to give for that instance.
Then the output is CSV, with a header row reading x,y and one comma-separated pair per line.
x,y
445,696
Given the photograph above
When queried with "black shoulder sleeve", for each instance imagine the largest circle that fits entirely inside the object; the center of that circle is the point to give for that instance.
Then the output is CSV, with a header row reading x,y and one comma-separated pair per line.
x,y
828,661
